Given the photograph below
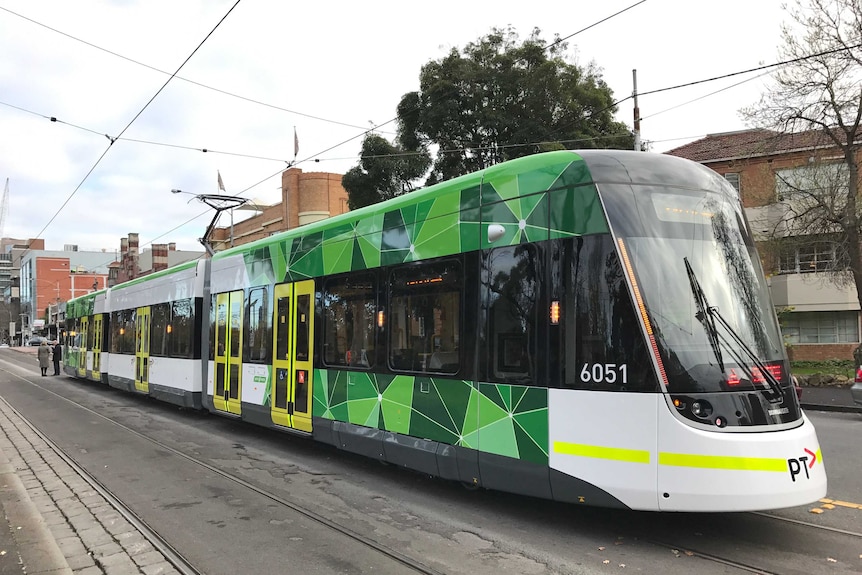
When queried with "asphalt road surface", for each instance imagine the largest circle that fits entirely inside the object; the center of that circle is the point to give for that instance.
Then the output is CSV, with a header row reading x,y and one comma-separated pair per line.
x,y
143,451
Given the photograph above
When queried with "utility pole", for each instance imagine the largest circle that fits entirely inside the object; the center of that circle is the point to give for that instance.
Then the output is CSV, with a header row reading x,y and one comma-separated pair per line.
x,y
637,112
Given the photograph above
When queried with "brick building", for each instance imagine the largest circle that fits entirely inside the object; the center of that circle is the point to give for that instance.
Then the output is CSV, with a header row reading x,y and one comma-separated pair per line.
x,y
132,262
305,198
820,320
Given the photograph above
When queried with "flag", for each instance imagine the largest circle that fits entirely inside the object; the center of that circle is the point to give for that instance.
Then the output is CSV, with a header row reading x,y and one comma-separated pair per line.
x,y
220,183
295,143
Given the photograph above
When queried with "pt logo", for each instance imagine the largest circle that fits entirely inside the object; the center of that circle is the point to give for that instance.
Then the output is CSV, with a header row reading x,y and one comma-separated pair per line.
x,y
800,464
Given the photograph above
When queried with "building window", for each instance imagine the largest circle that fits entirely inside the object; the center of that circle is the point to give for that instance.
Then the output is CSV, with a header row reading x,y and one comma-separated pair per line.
x,y
810,257
813,180
821,327
733,180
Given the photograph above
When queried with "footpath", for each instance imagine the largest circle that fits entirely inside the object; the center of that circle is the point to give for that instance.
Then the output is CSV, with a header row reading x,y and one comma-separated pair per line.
x,y
54,522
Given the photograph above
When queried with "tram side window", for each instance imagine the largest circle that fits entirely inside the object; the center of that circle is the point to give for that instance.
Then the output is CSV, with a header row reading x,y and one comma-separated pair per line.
x,y
605,348
425,318
90,333
511,278
181,343
123,331
160,322
72,332
258,330
349,321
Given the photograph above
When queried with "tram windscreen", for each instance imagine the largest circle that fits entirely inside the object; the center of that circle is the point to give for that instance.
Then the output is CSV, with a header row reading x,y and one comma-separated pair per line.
x,y
702,286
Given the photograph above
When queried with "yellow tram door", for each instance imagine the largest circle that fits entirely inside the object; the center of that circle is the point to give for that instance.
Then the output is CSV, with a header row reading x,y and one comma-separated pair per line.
x,y
227,352
293,339
82,347
97,347
142,349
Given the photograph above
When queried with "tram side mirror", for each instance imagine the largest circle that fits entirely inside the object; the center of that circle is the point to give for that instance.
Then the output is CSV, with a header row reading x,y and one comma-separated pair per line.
x,y
495,232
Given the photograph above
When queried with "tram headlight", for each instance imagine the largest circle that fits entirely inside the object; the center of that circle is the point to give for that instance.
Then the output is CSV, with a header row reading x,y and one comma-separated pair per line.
x,y
701,408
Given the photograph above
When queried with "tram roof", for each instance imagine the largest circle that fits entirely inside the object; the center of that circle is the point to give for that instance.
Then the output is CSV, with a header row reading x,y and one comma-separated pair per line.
x,y
602,166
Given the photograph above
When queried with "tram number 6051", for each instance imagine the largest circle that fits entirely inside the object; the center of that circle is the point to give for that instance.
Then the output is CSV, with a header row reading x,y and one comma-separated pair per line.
x,y
604,373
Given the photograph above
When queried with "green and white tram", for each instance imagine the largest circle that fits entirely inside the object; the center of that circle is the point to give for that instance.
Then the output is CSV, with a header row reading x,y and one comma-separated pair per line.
x,y
591,327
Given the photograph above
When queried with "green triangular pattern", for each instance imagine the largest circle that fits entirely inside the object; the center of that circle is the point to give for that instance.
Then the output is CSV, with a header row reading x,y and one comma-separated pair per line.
x,y
499,437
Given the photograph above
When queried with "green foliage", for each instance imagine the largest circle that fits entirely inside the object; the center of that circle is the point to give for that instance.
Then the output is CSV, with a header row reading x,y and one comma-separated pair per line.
x,y
385,171
829,367
500,99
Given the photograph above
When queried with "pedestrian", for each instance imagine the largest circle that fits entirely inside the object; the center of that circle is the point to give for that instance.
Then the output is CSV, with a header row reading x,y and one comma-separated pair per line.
x,y
44,354
58,355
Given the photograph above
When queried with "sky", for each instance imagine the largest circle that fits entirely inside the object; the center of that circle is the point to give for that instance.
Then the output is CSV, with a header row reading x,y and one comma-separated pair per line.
x,y
327,72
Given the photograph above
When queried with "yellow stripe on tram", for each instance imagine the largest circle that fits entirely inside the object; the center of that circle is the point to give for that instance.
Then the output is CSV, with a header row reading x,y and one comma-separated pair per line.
x,y
723,462
599,452
673,459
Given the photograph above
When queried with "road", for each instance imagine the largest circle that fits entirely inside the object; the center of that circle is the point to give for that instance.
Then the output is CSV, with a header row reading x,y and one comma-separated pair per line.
x,y
223,527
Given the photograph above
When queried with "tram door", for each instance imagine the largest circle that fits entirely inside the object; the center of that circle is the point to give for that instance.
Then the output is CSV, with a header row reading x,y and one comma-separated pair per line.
x,y
82,346
228,352
97,347
142,349
293,336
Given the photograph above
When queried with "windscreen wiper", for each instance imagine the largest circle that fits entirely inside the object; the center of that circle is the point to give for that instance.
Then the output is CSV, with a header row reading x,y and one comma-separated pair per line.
x,y
707,315
772,384
703,315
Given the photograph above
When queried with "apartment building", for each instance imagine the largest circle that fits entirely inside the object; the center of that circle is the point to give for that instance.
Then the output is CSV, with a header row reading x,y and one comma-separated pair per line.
x,y
820,317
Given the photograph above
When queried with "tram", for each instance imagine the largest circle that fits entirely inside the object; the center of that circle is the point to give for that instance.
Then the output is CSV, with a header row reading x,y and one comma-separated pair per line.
x,y
591,327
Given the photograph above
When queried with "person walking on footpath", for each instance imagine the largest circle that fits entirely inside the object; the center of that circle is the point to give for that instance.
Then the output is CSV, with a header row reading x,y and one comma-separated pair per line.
x,y
44,355
57,356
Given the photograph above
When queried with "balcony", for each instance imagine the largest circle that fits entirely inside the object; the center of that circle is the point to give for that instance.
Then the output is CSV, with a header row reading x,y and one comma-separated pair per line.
x,y
812,292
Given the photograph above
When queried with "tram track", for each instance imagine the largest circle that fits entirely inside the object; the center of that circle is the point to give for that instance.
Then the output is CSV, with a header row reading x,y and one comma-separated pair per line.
x,y
789,520
712,548
418,567
700,552
726,561
171,554
161,545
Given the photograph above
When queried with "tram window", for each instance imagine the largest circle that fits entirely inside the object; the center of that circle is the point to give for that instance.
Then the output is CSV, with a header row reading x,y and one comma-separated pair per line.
x,y
511,285
122,331
160,319
221,328
425,318
303,317
182,328
258,332
235,327
349,321
282,344
604,345
90,331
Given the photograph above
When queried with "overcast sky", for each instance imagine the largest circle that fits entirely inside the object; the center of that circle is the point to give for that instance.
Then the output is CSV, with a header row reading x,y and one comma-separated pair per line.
x,y
329,70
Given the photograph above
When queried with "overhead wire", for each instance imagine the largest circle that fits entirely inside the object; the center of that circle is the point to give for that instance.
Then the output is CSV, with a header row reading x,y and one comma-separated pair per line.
x,y
132,121
315,157
190,81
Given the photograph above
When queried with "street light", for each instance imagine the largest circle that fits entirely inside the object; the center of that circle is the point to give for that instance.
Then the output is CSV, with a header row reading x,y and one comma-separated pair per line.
x,y
219,203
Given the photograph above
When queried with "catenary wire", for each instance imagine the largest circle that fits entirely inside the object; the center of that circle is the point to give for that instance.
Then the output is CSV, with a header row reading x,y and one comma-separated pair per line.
x,y
132,121
315,156
160,71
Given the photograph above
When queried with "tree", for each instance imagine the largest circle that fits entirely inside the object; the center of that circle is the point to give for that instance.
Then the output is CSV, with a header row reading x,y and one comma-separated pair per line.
x,y
500,99
820,94
385,171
